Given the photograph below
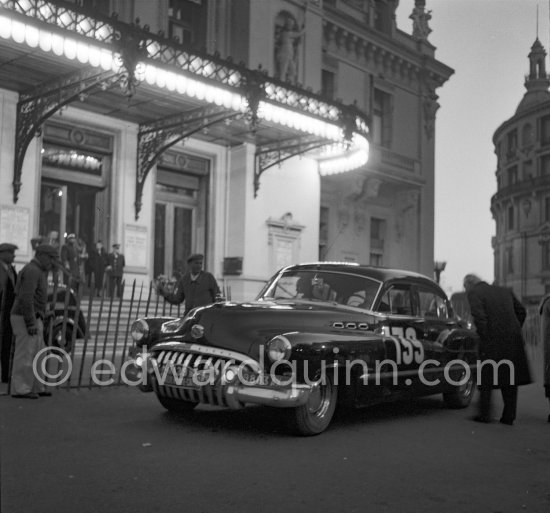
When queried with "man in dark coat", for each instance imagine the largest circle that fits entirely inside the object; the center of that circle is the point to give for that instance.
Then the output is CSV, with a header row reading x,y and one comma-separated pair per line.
x,y
71,261
196,287
8,279
115,268
27,320
544,310
97,261
498,317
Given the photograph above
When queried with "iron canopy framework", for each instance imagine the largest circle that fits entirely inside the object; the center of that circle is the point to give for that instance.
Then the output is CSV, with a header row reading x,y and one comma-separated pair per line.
x,y
125,71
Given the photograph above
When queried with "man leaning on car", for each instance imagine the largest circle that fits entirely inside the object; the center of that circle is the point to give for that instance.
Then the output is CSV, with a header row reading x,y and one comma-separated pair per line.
x,y
498,317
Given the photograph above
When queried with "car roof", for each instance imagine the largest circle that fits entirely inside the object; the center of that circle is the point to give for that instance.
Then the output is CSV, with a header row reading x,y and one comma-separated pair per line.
x,y
378,273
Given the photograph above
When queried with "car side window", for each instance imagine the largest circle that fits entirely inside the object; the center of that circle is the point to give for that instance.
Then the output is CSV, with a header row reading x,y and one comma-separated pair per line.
x,y
397,300
432,304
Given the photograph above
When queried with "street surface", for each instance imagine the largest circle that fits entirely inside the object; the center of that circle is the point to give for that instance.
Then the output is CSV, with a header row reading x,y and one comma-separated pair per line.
x,y
117,450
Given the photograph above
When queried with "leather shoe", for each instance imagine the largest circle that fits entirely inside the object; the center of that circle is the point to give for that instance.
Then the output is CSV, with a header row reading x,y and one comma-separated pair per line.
x,y
507,422
481,418
44,394
25,396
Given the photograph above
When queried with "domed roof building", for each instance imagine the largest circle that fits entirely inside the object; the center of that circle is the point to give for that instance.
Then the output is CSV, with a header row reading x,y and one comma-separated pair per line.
x,y
521,206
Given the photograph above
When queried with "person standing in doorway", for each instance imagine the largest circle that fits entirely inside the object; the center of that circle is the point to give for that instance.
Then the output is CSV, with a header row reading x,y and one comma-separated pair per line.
x,y
196,287
8,279
115,268
498,317
97,262
27,320
71,262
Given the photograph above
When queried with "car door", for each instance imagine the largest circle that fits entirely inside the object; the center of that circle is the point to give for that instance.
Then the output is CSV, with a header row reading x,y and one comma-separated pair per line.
x,y
435,322
403,344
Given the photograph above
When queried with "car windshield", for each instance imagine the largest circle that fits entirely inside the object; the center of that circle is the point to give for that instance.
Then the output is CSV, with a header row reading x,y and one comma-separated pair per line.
x,y
315,285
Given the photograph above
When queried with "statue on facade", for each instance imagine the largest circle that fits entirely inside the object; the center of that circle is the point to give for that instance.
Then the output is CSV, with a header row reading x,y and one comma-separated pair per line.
x,y
287,44
420,17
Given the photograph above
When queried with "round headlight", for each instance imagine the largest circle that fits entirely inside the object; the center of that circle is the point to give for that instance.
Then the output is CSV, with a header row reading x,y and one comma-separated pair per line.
x,y
278,348
197,331
140,330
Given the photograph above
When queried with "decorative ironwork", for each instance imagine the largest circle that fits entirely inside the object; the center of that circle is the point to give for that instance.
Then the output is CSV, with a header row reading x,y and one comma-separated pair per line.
x,y
132,48
156,137
37,105
269,155
254,92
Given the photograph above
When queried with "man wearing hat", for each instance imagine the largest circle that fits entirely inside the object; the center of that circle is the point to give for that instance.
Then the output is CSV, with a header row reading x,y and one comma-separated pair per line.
x,y
115,268
8,278
196,287
71,261
27,321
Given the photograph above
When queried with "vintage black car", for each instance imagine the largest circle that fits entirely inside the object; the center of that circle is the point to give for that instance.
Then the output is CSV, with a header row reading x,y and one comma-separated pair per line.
x,y
65,321
318,335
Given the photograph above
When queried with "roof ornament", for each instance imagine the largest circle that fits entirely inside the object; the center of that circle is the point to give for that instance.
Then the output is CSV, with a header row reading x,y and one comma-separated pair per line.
x,y
420,17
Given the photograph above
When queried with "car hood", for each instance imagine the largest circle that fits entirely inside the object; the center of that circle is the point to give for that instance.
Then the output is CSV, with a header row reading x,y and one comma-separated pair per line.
x,y
245,327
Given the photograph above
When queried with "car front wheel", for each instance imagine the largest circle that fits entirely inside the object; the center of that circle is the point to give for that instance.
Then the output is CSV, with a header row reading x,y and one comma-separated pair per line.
x,y
176,405
314,417
461,395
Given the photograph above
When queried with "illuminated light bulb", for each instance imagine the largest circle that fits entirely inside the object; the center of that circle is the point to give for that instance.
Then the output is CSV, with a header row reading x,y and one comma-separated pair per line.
x,y
191,88
140,71
226,99
5,27
200,91
181,84
57,44
236,102
69,48
170,81
106,60
150,74
18,31
211,96
94,56
32,36
82,52
161,77
45,40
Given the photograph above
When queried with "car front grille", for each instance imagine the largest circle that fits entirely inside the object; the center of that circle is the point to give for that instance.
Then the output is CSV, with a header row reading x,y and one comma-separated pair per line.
x,y
186,362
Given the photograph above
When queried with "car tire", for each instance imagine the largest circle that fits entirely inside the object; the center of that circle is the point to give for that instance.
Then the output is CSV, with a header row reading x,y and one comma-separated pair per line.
x,y
57,337
315,416
176,405
460,396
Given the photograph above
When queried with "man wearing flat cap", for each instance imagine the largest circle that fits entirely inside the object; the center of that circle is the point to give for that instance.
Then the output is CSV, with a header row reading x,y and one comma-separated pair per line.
x,y
196,287
115,268
27,321
71,261
8,279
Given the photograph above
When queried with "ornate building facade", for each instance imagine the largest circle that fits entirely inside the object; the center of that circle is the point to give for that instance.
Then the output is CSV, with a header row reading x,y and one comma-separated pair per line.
x,y
521,205
235,128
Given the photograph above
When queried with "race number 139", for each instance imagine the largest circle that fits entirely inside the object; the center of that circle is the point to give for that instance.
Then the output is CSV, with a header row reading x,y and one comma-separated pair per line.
x,y
407,347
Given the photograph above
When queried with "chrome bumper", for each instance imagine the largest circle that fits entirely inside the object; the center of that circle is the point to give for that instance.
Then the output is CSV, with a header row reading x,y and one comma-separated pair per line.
x,y
234,395
280,396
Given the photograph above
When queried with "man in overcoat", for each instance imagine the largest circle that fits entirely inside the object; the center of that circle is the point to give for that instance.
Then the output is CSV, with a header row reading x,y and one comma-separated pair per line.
x,y
498,317
544,311
115,268
8,279
97,261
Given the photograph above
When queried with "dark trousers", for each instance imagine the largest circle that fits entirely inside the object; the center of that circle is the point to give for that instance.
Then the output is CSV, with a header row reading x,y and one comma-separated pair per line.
x,y
115,284
5,354
510,398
